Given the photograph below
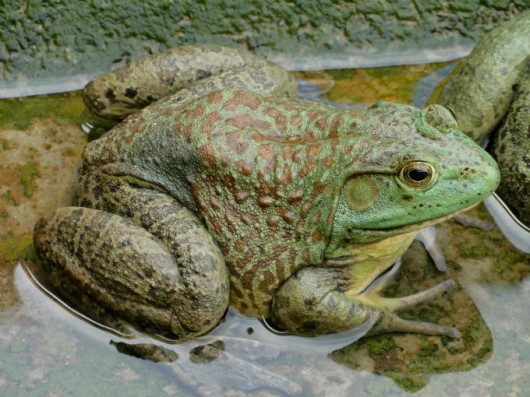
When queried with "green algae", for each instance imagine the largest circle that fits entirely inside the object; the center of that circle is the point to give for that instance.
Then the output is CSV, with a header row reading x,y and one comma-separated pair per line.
x,y
380,346
370,85
7,196
14,247
28,172
19,113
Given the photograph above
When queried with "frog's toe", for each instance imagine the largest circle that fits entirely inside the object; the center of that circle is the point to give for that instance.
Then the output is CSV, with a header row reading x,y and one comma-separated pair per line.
x,y
391,322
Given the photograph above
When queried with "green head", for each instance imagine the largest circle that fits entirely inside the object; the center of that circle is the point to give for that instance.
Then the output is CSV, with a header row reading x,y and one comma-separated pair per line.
x,y
417,169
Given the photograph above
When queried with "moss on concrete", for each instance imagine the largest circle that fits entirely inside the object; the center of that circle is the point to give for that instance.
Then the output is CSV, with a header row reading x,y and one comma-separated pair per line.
x,y
61,38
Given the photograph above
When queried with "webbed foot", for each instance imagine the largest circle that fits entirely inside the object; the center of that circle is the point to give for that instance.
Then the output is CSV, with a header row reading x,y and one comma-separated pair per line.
x,y
389,321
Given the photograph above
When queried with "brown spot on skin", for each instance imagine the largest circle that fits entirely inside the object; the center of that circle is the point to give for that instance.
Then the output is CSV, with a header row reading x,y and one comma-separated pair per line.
x,y
246,280
265,189
233,139
240,196
207,155
336,123
316,218
279,119
269,278
296,121
321,123
297,157
230,217
217,225
244,168
208,122
280,270
285,177
244,122
215,203
183,130
287,215
248,99
196,112
242,147
248,219
272,112
306,169
320,188
311,137
215,97
295,197
258,137
225,159
316,236
240,246
272,220
327,161
265,201
287,152
266,152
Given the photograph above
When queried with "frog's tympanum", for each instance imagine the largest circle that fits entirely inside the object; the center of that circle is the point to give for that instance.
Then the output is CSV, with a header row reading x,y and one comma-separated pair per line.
x,y
287,209
490,90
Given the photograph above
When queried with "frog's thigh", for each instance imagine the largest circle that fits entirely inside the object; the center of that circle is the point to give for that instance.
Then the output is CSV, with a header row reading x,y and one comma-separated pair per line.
x,y
312,302
172,281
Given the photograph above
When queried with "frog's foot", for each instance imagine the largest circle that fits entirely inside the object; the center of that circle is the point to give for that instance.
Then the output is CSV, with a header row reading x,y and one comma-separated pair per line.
x,y
387,307
389,321
427,237
471,221
318,301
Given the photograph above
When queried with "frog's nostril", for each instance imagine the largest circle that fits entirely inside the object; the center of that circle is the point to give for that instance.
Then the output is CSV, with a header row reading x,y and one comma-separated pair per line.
x,y
465,171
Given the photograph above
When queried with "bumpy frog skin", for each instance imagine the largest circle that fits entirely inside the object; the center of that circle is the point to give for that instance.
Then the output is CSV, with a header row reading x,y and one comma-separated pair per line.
x,y
482,87
287,209
493,85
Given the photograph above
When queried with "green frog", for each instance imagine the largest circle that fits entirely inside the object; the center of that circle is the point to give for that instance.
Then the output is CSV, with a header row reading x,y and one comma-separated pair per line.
x,y
232,191
490,93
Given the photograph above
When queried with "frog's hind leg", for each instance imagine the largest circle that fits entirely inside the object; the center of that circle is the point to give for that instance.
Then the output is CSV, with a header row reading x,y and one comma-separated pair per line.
x,y
316,301
154,263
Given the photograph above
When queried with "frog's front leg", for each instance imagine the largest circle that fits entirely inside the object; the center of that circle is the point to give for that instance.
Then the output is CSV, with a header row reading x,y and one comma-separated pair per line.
x,y
317,300
154,264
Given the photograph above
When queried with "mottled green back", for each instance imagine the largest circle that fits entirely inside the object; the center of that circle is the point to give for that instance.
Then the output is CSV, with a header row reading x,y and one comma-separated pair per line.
x,y
263,173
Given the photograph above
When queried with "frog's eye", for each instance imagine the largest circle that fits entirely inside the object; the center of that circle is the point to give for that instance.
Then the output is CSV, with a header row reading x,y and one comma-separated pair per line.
x,y
417,174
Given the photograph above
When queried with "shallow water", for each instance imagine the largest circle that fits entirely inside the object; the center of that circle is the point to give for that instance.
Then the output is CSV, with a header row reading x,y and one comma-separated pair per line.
x,y
46,350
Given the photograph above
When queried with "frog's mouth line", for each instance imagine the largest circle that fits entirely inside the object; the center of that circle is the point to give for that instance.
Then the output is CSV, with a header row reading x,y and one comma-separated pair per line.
x,y
412,227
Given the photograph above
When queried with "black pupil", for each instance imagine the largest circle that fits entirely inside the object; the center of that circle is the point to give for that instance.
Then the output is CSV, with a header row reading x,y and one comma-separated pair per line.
x,y
418,174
